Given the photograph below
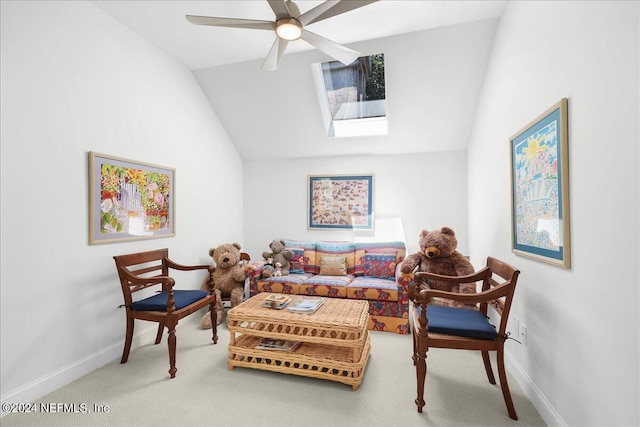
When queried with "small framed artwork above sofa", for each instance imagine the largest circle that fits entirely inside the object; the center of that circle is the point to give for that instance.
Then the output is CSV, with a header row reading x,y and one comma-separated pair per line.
x,y
340,202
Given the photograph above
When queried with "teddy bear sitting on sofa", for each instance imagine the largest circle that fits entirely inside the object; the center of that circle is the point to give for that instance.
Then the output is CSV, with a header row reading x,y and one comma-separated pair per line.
x,y
278,255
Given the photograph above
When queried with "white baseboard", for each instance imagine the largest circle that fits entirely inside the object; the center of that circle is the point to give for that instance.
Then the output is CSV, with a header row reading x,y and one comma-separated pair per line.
x,y
46,384
547,412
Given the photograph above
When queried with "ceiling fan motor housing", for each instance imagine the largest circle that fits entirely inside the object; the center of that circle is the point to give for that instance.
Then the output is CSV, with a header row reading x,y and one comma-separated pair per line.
x,y
289,29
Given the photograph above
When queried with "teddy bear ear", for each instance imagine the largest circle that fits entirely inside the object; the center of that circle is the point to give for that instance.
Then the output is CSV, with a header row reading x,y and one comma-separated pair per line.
x,y
423,233
237,245
282,242
211,252
447,230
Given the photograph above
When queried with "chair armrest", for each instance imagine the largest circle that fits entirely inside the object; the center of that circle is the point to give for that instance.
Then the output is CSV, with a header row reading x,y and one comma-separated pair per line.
x,y
419,285
177,266
143,282
493,294
475,277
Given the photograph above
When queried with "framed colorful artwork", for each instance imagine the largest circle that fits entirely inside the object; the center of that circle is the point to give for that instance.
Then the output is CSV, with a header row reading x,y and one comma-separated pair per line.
x,y
540,188
341,202
129,200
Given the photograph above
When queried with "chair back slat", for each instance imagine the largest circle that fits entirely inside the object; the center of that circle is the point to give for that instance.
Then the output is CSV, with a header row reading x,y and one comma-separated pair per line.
x,y
140,264
146,270
509,277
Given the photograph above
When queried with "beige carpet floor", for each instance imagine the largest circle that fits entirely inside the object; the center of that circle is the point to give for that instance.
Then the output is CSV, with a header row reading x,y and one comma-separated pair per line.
x,y
206,393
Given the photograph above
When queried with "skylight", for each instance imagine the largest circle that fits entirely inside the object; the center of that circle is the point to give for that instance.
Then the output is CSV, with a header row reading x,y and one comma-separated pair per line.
x,y
352,97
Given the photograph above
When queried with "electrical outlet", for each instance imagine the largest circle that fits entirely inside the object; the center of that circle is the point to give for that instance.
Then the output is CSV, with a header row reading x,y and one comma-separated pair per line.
x,y
523,334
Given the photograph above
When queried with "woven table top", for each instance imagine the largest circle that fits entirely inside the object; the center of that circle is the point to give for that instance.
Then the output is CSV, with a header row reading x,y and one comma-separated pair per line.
x,y
338,321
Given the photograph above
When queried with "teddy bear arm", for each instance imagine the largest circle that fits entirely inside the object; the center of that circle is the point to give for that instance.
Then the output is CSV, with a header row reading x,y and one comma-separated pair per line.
x,y
288,254
410,263
239,274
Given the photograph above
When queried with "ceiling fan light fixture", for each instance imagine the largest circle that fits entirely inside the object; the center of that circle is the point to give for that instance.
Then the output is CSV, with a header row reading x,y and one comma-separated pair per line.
x,y
289,29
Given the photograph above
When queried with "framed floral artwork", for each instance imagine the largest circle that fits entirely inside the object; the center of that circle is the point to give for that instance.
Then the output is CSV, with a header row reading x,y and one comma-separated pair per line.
x,y
540,188
341,202
129,200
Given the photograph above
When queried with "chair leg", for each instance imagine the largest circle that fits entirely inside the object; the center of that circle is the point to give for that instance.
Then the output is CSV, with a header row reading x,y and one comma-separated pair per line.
x,y
505,386
214,322
128,339
159,334
171,342
421,346
420,360
487,367
415,349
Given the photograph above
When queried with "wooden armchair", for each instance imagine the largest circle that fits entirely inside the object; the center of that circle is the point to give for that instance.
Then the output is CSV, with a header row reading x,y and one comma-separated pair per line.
x,y
464,328
145,270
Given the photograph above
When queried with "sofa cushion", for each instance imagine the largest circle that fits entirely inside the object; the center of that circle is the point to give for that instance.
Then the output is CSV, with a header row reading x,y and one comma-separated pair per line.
x,y
373,289
333,266
308,259
364,248
325,248
379,265
326,286
289,284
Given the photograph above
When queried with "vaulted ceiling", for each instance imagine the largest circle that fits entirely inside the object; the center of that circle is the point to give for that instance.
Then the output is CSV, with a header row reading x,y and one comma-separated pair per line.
x,y
436,54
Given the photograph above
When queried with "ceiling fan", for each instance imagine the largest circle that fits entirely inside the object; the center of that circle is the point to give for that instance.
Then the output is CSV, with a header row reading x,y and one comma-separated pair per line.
x,y
289,25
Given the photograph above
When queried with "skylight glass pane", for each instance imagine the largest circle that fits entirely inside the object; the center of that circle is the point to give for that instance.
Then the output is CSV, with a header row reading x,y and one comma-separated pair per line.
x,y
352,97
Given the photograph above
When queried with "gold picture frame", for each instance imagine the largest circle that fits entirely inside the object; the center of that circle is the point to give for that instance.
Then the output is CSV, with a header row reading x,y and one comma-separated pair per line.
x,y
129,200
540,188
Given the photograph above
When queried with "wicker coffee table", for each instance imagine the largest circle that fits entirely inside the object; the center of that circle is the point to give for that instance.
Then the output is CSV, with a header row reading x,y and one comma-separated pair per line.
x,y
335,343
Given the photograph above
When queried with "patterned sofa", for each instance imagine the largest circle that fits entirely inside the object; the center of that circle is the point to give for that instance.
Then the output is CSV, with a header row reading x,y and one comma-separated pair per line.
x,y
342,269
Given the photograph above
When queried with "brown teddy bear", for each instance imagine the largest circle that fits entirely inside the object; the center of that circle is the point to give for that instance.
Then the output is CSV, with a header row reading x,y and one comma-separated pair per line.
x,y
279,255
228,279
438,255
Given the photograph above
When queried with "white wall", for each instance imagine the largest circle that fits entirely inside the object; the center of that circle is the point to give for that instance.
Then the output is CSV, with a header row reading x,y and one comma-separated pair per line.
x,y
425,190
73,81
581,361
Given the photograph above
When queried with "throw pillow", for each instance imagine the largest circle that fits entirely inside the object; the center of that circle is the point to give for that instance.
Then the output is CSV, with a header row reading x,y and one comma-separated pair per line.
x,y
336,248
297,262
380,265
333,266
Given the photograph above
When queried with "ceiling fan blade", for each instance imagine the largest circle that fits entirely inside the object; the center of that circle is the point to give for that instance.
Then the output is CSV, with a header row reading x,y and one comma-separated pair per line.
x,y
310,16
231,22
275,55
331,8
280,9
333,49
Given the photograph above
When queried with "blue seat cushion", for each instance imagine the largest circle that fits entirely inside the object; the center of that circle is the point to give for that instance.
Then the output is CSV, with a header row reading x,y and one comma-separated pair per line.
x,y
158,302
462,322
